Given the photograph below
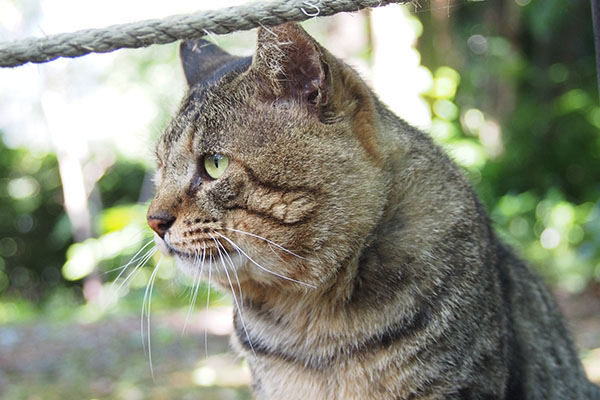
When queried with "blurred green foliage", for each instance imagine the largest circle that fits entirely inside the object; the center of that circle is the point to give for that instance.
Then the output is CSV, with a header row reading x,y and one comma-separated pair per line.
x,y
35,230
522,118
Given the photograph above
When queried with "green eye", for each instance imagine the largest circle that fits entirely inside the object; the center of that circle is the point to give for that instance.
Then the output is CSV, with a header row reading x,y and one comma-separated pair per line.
x,y
215,165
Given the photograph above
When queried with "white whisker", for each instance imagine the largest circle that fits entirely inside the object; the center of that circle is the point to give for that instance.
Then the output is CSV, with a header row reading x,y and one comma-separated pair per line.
x,y
133,259
263,268
137,269
235,300
195,287
275,253
230,262
195,270
192,289
207,304
266,240
146,304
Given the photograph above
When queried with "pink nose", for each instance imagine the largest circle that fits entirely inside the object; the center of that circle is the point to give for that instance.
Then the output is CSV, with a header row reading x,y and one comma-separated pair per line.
x,y
160,223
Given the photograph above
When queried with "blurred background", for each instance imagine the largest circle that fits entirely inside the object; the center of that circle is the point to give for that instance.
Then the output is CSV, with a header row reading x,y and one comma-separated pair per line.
x,y
507,88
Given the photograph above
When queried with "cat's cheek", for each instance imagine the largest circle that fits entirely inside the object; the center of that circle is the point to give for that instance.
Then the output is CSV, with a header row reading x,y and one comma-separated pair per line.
x,y
161,245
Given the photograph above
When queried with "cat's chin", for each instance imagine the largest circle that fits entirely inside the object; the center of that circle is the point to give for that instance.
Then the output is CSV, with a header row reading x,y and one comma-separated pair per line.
x,y
219,269
232,268
171,251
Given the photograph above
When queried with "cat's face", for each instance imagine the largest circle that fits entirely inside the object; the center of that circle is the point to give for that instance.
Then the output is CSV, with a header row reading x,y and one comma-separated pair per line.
x,y
271,168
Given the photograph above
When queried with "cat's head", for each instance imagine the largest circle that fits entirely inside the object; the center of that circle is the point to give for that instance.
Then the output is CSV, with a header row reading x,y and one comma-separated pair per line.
x,y
273,166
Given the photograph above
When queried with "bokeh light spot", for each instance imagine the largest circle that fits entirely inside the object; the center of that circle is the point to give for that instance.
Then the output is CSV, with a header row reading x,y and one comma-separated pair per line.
x,y
550,238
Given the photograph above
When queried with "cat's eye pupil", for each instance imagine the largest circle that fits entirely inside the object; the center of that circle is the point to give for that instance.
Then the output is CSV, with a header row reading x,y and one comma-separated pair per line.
x,y
215,165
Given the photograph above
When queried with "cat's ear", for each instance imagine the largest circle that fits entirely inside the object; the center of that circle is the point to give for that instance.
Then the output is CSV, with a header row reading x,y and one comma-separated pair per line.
x,y
290,64
200,59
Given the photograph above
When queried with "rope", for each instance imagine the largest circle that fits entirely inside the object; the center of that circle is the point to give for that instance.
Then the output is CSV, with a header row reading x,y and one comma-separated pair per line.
x,y
170,29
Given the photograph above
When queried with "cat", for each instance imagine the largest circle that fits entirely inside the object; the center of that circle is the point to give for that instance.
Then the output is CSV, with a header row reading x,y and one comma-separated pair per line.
x,y
361,263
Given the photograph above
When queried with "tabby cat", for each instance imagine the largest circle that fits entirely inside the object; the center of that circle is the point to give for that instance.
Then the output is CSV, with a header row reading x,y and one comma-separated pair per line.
x,y
361,262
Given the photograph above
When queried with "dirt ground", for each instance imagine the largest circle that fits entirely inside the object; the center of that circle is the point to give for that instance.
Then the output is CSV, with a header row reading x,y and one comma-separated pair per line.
x,y
106,359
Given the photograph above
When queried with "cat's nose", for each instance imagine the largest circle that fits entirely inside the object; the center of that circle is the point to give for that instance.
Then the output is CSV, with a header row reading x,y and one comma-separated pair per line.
x,y
160,223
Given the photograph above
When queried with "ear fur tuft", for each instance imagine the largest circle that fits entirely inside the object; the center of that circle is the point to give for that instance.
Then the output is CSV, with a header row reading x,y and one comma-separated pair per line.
x,y
290,64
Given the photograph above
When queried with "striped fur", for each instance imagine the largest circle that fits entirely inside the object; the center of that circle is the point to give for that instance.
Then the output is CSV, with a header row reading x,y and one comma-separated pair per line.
x,y
392,284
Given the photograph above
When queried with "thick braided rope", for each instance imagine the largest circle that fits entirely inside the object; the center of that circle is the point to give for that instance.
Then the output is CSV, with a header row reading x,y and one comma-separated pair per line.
x,y
170,29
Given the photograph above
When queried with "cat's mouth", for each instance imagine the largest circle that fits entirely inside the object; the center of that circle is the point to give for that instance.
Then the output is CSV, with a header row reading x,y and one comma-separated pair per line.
x,y
226,261
220,260
208,250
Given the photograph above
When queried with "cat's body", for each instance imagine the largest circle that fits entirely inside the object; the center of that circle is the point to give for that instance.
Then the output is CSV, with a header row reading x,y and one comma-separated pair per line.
x,y
392,284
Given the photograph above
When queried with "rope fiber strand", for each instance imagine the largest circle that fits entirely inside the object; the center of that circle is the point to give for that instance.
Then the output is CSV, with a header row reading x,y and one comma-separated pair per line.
x,y
170,29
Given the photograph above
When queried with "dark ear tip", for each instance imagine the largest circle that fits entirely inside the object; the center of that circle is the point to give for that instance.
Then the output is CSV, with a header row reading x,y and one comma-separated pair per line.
x,y
200,58
199,46
194,45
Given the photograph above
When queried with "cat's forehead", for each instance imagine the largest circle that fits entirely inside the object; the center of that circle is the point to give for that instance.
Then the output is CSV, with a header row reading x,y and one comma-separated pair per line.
x,y
208,104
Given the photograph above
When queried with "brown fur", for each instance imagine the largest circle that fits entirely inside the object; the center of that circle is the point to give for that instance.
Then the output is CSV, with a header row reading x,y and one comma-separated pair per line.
x,y
393,285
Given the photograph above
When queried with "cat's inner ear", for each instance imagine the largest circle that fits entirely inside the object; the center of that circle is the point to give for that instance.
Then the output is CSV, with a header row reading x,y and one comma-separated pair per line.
x,y
290,64
200,59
